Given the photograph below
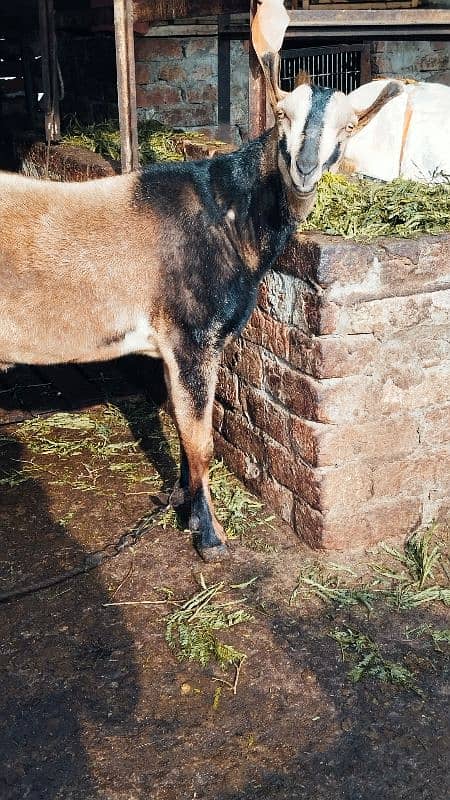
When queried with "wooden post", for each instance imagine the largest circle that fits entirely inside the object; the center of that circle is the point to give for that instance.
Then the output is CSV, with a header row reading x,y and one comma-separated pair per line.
x,y
27,61
49,69
256,87
223,71
126,84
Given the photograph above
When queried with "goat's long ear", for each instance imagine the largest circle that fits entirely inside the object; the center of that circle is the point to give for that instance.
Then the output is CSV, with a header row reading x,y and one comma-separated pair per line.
x,y
391,90
268,29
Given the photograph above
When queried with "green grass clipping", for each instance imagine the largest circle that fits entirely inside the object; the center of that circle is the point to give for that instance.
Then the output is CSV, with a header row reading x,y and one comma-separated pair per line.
x,y
363,209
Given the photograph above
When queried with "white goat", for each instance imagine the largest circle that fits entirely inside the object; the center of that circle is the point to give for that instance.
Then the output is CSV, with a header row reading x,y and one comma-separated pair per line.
x,y
408,138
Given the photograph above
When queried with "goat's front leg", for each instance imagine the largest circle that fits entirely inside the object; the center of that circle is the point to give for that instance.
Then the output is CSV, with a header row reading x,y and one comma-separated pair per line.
x,y
191,388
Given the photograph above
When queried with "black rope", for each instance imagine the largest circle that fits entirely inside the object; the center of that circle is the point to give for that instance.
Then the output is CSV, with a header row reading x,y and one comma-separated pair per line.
x,y
96,559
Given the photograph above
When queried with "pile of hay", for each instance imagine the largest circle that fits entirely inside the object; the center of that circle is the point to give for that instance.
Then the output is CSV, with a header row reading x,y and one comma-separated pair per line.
x,y
156,142
365,209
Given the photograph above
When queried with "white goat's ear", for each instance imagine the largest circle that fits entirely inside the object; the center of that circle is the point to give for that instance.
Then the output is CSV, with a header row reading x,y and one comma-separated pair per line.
x,y
391,90
268,29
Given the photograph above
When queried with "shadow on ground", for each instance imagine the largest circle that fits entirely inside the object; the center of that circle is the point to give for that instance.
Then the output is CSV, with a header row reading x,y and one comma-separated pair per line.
x,y
68,668
96,706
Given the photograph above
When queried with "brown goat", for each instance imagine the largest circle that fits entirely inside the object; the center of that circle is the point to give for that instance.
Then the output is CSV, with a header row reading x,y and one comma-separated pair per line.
x,y
165,262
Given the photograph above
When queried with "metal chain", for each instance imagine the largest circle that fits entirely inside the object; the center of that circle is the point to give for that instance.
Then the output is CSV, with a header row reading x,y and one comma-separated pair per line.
x,y
97,558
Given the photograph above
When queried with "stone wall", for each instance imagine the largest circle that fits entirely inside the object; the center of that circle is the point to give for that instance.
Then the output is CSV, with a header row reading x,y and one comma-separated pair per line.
x,y
333,405
421,60
177,77
177,81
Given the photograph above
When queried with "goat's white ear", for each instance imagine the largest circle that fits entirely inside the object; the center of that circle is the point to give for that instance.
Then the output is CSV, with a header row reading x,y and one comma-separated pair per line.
x,y
268,29
391,90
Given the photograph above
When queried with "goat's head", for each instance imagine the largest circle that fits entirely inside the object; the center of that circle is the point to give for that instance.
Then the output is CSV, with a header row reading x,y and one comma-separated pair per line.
x,y
313,122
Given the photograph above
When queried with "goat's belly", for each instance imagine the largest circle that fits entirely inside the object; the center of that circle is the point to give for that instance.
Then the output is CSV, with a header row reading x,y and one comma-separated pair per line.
x,y
78,342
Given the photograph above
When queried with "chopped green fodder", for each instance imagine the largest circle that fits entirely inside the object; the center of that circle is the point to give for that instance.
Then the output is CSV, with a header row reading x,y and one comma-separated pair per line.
x,y
411,587
369,663
437,635
156,141
329,587
418,556
192,630
415,584
236,509
364,209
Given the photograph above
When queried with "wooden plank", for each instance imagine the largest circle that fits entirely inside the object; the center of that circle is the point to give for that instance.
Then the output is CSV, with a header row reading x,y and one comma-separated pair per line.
x,y
197,29
55,119
223,73
126,84
256,88
352,17
156,10
27,66
49,69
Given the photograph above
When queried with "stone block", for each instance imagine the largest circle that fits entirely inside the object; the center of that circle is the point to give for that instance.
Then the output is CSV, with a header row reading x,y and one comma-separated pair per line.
x,y
278,498
297,392
201,45
202,93
374,522
374,441
415,477
264,414
157,96
153,49
172,73
301,479
227,388
142,73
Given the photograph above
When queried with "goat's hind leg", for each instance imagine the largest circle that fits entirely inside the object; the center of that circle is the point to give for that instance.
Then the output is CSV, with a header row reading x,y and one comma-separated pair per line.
x,y
191,403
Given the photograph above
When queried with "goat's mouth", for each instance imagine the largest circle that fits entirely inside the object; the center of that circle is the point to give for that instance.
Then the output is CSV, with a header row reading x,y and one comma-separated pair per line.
x,y
305,194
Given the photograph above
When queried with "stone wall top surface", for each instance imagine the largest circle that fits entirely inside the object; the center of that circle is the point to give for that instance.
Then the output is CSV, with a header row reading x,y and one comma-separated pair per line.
x,y
385,267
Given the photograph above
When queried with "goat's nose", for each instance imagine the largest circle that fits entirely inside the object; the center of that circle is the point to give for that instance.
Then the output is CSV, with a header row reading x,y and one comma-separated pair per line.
x,y
305,168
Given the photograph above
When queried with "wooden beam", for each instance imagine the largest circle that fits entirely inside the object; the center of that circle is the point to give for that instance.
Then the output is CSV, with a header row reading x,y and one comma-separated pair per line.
x,y
256,87
345,18
126,84
156,10
223,74
49,61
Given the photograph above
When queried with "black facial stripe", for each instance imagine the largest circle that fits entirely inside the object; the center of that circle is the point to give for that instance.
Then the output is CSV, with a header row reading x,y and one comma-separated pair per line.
x,y
308,155
284,151
334,157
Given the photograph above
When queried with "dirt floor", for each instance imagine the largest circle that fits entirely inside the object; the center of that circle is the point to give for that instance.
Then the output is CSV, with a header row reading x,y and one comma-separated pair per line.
x,y
336,683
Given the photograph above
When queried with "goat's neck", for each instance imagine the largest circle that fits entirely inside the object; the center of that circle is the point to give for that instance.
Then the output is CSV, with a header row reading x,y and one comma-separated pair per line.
x,y
266,210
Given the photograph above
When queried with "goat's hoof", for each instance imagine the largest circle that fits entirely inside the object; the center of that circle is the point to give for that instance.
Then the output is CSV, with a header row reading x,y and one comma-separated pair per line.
x,y
210,554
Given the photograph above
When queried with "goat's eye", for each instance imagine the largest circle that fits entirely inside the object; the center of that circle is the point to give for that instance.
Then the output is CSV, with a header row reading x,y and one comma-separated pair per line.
x,y
280,114
350,127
